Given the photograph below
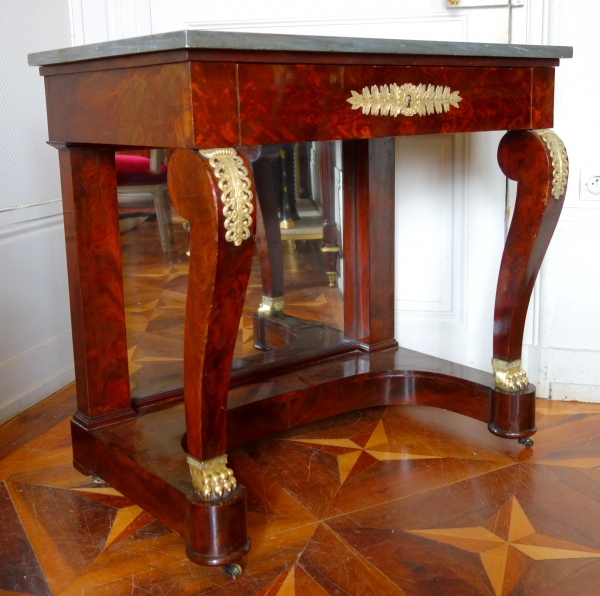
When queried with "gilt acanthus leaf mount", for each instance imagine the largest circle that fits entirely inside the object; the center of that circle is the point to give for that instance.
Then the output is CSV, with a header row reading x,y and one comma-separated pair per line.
x,y
236,192
560,160
407,99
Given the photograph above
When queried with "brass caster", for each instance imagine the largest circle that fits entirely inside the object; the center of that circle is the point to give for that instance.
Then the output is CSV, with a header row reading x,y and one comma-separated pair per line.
x,y
233,570
527,442
97,479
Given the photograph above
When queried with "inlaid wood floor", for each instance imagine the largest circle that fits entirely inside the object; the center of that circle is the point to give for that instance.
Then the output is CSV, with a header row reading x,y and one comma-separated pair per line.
x,y
397,500
385,501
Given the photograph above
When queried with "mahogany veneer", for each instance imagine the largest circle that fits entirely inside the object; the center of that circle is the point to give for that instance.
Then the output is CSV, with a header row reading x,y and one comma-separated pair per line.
x,y
219,104
181,92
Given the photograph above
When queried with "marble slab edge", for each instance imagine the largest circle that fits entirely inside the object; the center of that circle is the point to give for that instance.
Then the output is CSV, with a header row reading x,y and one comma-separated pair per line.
x,y
227,40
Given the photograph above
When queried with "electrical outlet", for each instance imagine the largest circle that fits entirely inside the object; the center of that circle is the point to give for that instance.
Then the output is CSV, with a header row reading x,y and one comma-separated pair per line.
x,y
589,187
593,185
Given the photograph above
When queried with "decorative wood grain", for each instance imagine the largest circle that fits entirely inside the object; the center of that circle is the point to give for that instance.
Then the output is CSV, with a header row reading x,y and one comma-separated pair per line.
x,y
89,192
523,157
212,99
218,278
512,415
162,105
196,104
368,240
297,103
542,97
214,104
357,524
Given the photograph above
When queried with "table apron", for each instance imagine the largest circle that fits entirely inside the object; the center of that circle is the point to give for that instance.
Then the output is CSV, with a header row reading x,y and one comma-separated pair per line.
x,y
220,104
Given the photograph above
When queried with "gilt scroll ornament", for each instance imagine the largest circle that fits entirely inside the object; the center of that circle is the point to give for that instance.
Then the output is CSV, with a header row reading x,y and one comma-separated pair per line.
x,y
407,99
212,479
560,160
236,193
510,376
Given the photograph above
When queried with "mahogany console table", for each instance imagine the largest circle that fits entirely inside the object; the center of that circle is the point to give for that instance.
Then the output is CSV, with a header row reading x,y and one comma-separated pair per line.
x,y
211,96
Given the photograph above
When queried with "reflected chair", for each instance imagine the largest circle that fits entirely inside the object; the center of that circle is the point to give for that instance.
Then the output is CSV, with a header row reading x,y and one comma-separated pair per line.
x,y
142,189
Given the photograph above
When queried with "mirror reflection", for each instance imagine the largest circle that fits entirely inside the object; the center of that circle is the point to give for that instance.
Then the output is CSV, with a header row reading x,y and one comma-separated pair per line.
x,y
294,299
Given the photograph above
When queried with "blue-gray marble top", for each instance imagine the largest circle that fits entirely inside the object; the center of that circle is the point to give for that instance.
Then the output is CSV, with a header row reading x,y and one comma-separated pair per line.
x,y
219,40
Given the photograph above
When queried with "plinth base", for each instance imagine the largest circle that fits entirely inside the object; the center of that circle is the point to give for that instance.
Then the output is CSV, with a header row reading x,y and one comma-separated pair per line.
x,y
145,459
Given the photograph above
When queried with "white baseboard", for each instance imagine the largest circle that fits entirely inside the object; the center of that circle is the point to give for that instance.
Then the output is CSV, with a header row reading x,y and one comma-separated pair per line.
x,y
563,374
35,374
571,392
36,353
35,394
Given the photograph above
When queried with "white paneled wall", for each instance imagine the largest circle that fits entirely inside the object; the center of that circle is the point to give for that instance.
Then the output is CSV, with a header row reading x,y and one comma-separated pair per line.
x,y
29,166
450,210
450,233
431,206
95,21
35,339
562,351
36,356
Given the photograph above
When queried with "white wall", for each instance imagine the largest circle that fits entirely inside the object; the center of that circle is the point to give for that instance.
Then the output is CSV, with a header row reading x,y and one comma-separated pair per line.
x,y
35,340
562,342
562,351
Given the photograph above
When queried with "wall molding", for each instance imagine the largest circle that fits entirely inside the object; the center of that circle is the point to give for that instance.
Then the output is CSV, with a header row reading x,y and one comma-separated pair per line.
x,y
13,215
29,352
456,315
33,227
324,21
36,354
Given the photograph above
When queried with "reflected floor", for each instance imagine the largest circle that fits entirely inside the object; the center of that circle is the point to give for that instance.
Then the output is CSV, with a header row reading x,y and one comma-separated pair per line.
x,y
155,286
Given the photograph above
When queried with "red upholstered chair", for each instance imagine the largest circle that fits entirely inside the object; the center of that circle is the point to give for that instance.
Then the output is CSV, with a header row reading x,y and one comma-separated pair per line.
x,y
142,188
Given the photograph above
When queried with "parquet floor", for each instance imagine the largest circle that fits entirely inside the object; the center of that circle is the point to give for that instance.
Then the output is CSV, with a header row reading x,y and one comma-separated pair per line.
x,y
385,501
397,500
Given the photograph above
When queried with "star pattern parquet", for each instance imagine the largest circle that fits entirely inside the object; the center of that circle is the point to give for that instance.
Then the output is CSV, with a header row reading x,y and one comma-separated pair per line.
x,y
399,500
386,501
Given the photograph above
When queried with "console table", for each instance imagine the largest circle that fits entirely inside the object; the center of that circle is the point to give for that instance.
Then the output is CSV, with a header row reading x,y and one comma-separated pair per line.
x,y
211,97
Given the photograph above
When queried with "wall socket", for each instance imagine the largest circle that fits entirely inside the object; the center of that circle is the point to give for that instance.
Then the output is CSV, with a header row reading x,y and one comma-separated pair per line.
x,y
589,186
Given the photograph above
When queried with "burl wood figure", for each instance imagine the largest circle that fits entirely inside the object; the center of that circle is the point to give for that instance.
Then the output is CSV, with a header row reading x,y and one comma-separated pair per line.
x,y
215,98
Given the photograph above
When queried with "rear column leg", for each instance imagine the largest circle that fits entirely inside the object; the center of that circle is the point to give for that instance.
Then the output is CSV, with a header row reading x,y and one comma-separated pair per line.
x,y
538,161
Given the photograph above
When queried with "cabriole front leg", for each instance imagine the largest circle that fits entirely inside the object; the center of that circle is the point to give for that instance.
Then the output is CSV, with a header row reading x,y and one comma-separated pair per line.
x,y
213,189
538,161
